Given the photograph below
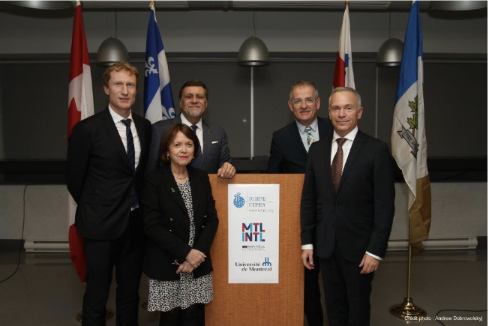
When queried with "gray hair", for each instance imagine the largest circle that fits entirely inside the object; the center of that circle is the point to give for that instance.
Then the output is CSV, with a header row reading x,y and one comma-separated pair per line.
x,y
302,83
347,89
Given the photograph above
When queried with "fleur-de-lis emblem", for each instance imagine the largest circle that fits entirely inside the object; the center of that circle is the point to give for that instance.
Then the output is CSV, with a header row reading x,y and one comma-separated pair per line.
x,y
150,69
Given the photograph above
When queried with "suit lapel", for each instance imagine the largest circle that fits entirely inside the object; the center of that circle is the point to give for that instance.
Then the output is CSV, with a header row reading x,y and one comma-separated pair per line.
x,y
207,139
113,134
295,135
328,172
321,126
353,153
196,186
138,122
172,188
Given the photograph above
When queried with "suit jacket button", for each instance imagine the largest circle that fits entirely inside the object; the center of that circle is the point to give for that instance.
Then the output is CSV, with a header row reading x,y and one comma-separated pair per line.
x,y
336,203
171,219
203,226
170,230
205,216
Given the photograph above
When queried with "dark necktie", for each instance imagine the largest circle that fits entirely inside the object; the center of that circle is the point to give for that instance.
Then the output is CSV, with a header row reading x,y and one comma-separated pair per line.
x,y
337,162
196,162
131,154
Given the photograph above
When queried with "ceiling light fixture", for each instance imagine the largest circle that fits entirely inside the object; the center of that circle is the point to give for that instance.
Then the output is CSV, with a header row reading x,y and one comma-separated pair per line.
x,y
112,50
44,5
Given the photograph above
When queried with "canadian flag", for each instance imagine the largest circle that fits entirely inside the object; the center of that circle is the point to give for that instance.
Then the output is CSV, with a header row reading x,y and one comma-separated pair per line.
x,y
343,75
80,106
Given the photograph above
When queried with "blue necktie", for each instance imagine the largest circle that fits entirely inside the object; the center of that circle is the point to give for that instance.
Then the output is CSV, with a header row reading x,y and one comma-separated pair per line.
x,y
131,154
196,162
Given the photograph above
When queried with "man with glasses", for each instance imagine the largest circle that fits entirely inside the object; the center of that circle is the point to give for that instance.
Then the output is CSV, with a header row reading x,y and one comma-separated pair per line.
x,y
347,210
214,151
288,154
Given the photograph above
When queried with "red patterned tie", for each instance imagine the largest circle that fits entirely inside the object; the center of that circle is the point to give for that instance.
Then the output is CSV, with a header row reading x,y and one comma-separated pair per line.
x,y
336,167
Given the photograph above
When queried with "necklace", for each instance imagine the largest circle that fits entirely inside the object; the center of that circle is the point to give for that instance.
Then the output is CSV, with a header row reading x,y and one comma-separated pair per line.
x,y
180,178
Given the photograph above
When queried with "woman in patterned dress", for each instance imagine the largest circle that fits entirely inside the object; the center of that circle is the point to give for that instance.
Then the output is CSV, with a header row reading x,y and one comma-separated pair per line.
x,y
180,221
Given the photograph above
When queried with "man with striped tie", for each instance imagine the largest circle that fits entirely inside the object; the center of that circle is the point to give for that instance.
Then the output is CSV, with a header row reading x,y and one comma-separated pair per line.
x,y
288,154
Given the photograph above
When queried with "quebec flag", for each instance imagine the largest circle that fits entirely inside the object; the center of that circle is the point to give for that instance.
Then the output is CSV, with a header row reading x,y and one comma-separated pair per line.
x,y
408,140
158,97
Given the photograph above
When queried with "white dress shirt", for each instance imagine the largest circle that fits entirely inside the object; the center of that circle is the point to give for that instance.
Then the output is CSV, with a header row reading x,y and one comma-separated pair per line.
x,y
122,129
303,134
199,130
346,149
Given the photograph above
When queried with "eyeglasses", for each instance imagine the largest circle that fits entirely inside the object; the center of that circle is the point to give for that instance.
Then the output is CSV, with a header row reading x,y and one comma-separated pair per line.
x,y
307,101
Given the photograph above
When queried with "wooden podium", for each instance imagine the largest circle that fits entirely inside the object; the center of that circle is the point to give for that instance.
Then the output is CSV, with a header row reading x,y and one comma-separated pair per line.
x,y
259,304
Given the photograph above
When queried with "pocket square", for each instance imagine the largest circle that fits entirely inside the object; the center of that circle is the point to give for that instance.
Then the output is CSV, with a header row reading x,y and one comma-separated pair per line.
x,y
215,141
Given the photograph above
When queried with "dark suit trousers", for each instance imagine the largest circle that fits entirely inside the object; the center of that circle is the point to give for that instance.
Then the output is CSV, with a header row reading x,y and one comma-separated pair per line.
x,y
347,291
125,253
313,307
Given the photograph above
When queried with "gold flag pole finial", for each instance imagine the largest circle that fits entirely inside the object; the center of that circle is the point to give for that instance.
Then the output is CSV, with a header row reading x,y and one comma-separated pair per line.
x,y
347,3
151,4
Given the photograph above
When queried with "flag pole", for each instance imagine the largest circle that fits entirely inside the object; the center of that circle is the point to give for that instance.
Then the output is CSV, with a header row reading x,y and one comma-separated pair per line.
x,y
144,303
80,107
412,160
407,309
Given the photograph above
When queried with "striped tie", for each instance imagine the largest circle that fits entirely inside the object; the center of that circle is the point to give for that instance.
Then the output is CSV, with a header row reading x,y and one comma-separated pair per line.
x,y
131,154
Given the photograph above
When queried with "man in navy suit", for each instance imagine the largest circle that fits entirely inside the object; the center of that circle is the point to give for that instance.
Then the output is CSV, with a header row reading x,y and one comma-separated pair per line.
x,y
214,150
288,154
347,210
107,155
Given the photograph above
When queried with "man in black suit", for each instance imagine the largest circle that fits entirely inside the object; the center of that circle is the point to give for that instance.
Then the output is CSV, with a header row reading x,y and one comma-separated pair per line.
x,y
107,155
347,208
288,154
214,150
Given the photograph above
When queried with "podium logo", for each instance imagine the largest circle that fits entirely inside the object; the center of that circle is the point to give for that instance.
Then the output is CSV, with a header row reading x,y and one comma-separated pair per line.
x,y
266,262
253,232
239,200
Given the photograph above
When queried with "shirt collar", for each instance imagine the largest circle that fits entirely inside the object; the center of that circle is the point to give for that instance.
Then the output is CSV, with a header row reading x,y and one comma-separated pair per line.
x,y
313,125
349,136
117,117
185,121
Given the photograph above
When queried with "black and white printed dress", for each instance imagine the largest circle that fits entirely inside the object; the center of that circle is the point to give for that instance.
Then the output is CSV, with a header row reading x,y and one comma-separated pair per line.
x,y
167,295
